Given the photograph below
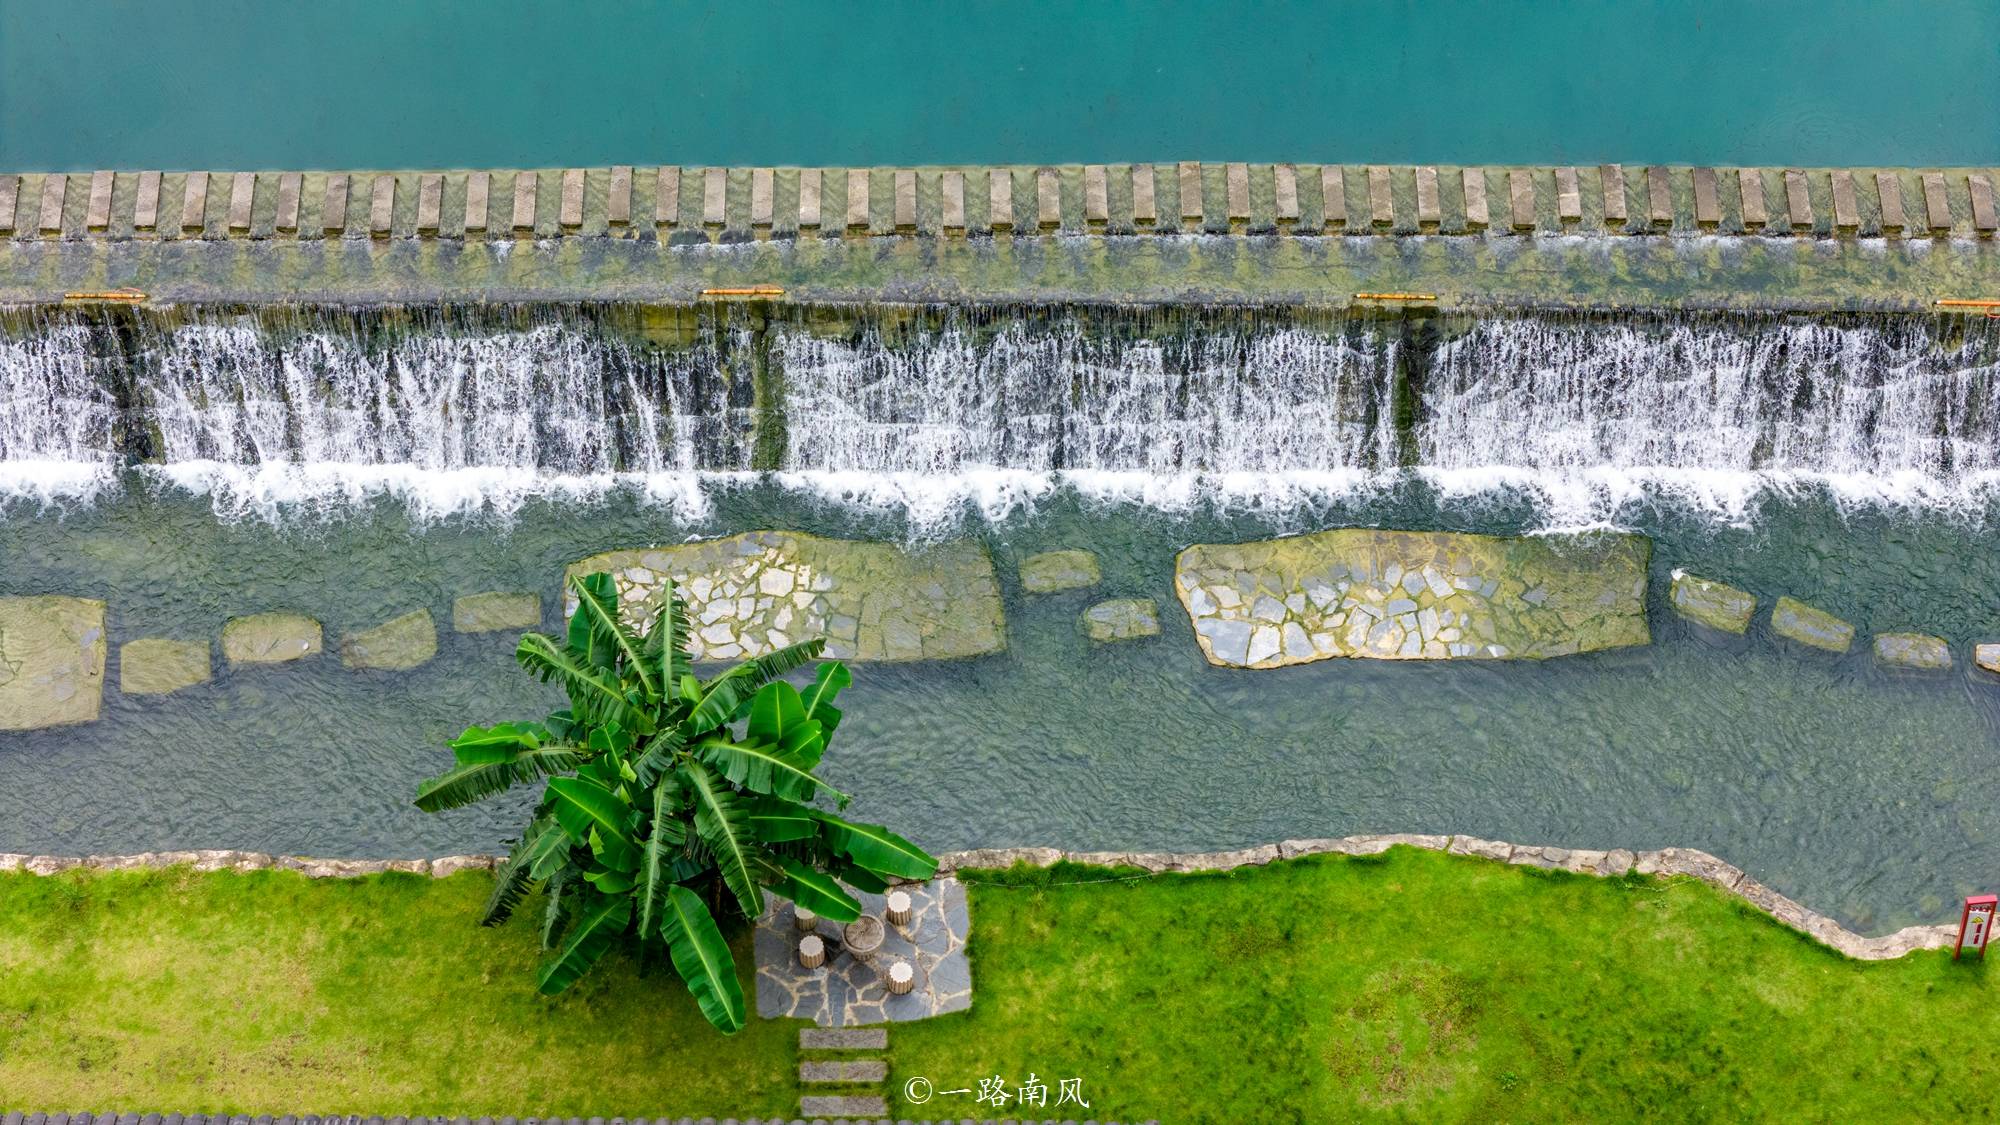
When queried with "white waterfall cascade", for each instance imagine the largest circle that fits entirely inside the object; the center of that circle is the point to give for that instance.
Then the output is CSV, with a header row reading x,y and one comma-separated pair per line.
x,y
1587,414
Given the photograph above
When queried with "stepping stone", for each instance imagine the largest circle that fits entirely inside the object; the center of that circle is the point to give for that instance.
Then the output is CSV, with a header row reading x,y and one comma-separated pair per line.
x,y
1122,619
1802,623
843,1070
1713,604
1912,650
1052,571
1987,657
496,611
821,1105
51,661
843,1039
396,645
158,665
269,638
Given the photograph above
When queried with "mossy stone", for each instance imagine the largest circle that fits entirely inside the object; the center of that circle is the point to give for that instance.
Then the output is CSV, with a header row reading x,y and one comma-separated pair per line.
x,y
1918,651
1053,571
1122,619
159,665
270,638
1795,620
1707,602
396,645
496,611
52,651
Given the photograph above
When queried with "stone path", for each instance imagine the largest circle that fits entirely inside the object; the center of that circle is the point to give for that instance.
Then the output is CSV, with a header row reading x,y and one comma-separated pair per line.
x,y
843,1071
846,992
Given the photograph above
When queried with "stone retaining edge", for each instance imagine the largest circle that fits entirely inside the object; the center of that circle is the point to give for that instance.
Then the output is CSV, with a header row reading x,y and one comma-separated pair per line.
x,y
18,1117
1614,862
21,1117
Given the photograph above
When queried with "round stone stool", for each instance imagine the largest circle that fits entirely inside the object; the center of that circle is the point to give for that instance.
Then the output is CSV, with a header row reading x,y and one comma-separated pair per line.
x,y
812,951
897,908
863,937
902,978
805,919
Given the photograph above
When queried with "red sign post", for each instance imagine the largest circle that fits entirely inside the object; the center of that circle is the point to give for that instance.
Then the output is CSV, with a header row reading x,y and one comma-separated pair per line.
x,y
1975,925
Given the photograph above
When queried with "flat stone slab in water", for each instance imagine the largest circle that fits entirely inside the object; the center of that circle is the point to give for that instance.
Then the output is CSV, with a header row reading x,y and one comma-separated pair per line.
x,y
1800,622
1707,602
51,661
1122,619
845,992
158,665
757,592
270,638
1053,571
1919,651
1987,657
396,645
1413,595
496,611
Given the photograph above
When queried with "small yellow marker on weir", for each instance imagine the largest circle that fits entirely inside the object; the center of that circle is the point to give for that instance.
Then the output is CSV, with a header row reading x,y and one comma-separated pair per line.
x,y
746,292
127,294
1992,307
1395,296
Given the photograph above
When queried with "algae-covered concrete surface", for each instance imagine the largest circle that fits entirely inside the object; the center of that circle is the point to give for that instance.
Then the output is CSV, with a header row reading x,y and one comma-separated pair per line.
x,y
1544,270
1413,595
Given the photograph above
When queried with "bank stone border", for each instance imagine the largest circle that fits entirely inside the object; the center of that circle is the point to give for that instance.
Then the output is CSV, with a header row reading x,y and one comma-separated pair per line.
x,y
1614,862
19,1118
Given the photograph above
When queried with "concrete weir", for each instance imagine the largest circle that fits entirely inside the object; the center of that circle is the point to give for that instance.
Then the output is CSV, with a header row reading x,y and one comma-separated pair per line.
x,y
1605,236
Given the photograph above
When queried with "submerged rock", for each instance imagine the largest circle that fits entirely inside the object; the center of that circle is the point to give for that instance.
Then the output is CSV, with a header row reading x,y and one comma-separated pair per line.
x,y
158,665
1413,595
1808,626
1052,571
269,638
757,592
496,612
396,645
1122,619
52,652
1987,657
1707,602
1912,650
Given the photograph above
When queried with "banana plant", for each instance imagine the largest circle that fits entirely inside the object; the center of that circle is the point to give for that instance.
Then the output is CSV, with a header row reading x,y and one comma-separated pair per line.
x,y
664,794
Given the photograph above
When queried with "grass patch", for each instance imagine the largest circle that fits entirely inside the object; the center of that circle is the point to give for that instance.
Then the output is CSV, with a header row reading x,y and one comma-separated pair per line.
x,y
266,992
1411,986
1415,986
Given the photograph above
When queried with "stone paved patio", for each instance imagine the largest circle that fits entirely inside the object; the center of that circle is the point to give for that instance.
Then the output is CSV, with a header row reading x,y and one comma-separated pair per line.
x,y
845,992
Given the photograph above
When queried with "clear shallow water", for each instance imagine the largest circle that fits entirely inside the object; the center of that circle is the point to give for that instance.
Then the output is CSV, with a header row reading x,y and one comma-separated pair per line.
x,y
519,83
1859,792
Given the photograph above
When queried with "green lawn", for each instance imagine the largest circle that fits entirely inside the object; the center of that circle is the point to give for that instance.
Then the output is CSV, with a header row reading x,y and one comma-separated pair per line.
x,y
1411,986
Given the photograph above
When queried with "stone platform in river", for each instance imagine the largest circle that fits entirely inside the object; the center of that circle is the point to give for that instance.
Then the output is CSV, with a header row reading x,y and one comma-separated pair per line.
x,y
1409,595
759,591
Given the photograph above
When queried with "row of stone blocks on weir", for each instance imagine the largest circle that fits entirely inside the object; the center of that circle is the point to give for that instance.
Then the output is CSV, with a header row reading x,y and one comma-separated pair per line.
x,y
739,204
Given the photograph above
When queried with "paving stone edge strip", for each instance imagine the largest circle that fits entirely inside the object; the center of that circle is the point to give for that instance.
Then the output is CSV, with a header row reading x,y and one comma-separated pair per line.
x,y
1614,862
18,1117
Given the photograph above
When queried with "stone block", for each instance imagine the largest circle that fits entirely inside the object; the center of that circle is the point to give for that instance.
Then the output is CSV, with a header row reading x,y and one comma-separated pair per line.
x,y
1145,201
1688,861
1611,177
52,652
10,200
905,185
1937,207
478,190
843,1071
242,201
270,638
496,611
430,202
1333,197
1750,185
1798,201
1889,190
1712,603
55,192
1430,209
145,206
1707,200
1569,196
1381,201
526,187
1979,190
396,645
1521,197
809,198
763,197
1122,619
715,198
951,190
1048,199
667,196
1000,199
1477,215
1659,197
1917,651
843,1039
857,201
1846,207
158,665
194,202
97,215
618,198
1236,193
1285,195
845,1105
569,211
1096,196
382,206
1190,191
1411,595
1987,657
333,205
291,186
1051,571
1795,620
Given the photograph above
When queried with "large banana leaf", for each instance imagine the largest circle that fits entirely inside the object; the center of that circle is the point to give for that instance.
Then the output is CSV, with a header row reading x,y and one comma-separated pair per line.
x,y
500,766
658,755
815,891
597,604
827,682
876,848
497,742
666,645
582,804
593,693
702,958
722,695
555,910
722,820
667,836
599,925
762,769
774,821
517,874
